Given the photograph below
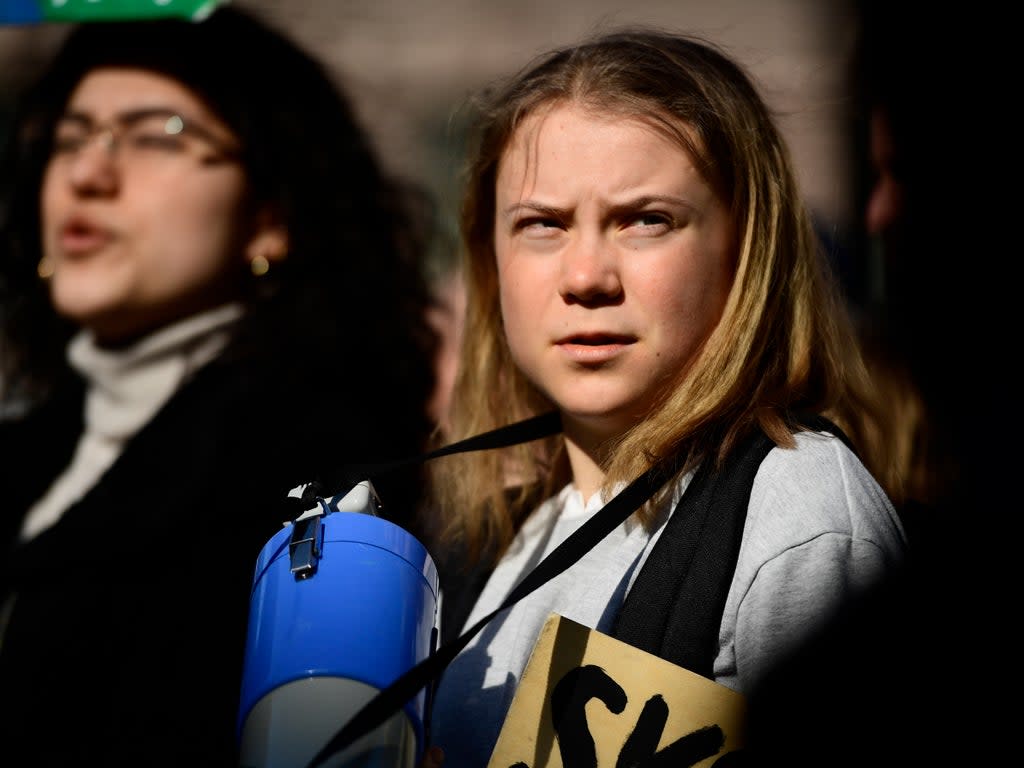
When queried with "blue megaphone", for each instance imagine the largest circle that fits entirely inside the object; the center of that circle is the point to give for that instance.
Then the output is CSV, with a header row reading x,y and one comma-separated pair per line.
x,y
343,603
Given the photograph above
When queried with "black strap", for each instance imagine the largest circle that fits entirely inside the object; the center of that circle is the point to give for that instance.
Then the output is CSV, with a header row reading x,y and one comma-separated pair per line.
x,y
394,697
674,608
675,605
524,431
520,432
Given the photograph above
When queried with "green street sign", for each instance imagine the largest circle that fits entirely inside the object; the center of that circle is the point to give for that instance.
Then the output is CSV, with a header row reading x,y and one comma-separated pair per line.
x,y
37,11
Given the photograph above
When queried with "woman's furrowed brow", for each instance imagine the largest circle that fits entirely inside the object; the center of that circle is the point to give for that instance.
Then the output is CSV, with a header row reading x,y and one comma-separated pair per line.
x,y
624,206
530,206
646,201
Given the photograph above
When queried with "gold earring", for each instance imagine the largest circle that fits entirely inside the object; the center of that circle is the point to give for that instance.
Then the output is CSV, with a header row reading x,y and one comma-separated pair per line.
x,y
259,265
45,268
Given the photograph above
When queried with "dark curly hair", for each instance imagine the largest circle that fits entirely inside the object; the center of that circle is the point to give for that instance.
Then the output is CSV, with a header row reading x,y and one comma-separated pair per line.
x,y
343,316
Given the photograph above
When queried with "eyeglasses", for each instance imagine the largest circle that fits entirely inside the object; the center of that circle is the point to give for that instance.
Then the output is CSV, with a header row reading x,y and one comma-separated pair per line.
x,y
140,138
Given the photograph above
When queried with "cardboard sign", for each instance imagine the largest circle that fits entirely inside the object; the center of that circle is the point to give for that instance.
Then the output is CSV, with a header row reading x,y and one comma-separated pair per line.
x,y
588,700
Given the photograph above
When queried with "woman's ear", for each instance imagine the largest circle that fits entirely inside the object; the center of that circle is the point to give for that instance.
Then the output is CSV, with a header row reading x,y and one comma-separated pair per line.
x,y
268,246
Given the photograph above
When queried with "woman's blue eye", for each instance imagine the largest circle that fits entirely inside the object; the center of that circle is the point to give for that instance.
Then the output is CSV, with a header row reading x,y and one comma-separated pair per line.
x,y
538,223
652,219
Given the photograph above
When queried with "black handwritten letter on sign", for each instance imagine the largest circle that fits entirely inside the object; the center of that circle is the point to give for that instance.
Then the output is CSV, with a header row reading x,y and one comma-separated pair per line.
x,y
587,700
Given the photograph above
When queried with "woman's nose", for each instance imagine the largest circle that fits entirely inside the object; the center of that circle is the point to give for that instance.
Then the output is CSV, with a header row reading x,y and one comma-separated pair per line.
x,y
94,168
590,270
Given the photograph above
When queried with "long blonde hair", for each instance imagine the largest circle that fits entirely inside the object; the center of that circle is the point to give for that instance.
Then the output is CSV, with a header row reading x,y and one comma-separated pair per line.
x,y
784,346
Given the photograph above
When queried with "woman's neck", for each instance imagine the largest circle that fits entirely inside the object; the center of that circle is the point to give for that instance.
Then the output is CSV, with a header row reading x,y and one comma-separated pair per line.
x,y
588,474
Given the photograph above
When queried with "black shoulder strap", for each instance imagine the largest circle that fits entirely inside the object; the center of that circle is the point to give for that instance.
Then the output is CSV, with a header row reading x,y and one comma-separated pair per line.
x,y
675,606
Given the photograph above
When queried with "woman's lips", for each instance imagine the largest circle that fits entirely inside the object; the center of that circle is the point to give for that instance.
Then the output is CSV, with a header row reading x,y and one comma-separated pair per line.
x,y
80,236
594,347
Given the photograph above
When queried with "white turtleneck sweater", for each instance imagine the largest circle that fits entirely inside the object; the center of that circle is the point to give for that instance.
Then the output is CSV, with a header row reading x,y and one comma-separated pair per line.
x,y
125,389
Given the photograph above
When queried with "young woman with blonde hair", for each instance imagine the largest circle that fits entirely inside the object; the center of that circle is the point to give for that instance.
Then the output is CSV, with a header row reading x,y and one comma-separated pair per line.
x,y
639,258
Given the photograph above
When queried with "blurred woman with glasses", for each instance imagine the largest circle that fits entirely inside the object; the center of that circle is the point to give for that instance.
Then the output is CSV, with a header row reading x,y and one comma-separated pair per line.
x,y
209,288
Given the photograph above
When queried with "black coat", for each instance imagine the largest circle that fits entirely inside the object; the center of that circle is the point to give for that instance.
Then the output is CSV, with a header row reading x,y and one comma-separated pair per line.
x,y
125,640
